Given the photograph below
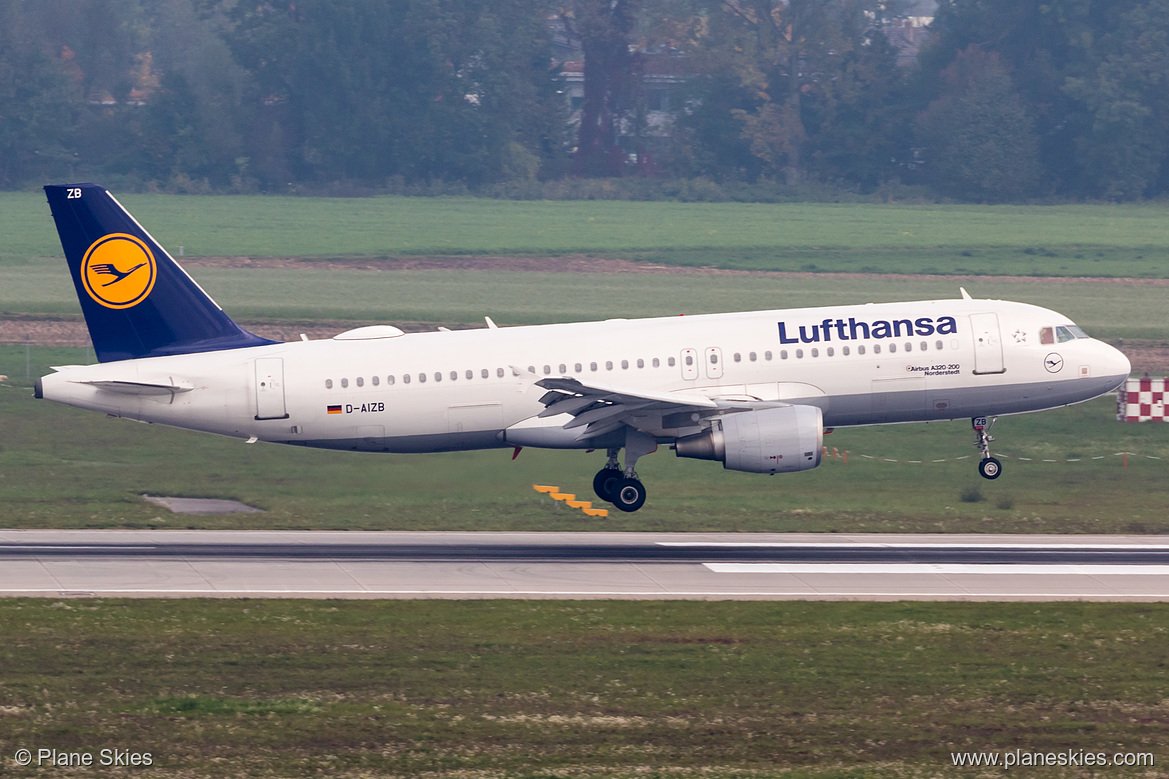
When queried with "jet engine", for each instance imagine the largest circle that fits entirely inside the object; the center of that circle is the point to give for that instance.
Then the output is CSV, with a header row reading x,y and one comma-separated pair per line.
x,y
773,440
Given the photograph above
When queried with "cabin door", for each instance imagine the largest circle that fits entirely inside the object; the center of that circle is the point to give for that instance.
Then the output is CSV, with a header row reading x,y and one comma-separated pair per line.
x,y
270,388
988,346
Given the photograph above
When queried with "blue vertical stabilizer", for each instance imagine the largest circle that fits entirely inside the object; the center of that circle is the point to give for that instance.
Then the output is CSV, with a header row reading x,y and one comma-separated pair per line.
x,y
136,299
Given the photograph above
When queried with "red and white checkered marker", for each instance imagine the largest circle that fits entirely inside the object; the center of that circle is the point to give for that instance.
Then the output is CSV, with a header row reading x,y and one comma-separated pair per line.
x,y
1142,400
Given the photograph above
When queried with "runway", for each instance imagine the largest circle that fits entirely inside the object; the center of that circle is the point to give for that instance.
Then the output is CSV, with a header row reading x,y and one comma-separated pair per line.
x,y
371,565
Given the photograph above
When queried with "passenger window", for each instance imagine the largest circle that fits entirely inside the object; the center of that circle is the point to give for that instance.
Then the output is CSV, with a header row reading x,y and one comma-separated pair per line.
x,y
390,380
670,362
471,374
547,369
892,348
925,345
860,349
640,363
625,365
844,350
563,369
422,378
578,367
406,378
608,365
767,356
939,345
815,352
876,348
751,356
1046,336
738,357
713,358
783,354
499,372
799,353
376,381
328,384
689,360
454,375
344,383
657,363
592,366
438,376
830,351
360,382
531,369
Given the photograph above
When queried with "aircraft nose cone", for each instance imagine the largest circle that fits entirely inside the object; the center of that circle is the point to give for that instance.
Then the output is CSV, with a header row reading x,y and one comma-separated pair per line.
x,y
1116,364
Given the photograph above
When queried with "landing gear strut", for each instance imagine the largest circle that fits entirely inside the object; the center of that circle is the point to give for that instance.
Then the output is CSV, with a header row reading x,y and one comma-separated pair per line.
x,y
988,467
606,479
619,486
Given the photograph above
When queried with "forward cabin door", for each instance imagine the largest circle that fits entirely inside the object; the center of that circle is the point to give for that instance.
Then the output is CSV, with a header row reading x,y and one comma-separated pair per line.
x,y
270,388
988,346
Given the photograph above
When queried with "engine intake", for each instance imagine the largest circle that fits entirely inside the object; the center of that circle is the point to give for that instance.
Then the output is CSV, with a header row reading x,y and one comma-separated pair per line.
x,y
773,440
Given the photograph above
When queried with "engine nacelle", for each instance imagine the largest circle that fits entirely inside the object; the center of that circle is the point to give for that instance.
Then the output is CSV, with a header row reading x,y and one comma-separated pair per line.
x,y
773,440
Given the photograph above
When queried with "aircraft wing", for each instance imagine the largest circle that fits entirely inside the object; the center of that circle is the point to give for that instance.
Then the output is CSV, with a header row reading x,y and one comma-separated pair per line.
x,y
602,408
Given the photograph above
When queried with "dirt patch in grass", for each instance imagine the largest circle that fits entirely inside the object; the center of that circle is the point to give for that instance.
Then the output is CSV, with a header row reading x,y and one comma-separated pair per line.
x,y
583,263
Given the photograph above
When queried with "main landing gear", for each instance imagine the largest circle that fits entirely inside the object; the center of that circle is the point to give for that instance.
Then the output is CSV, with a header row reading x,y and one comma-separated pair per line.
x,y
620,486
989,467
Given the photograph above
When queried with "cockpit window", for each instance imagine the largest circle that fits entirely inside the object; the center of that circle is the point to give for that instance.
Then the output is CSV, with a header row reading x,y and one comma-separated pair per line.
x,y
1065,333
1047,336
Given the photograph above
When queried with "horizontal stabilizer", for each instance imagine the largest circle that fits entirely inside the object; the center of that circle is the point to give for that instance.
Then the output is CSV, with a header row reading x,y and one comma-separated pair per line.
x,y
138,388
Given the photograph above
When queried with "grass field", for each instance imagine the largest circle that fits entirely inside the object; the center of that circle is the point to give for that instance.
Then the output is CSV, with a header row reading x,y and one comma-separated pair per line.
x,y
1106,310
1073,240
580,689
63,467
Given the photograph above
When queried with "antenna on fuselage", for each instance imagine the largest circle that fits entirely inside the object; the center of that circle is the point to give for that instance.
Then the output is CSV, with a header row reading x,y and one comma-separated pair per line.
x,y
965,294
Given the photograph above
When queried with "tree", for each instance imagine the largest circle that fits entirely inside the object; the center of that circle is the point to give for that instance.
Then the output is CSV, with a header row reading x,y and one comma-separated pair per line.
x,y
812,87
37,102
1124,150
422,89
977,138
604,29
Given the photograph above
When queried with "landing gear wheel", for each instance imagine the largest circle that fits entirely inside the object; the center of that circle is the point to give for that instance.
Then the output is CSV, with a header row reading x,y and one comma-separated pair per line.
x,y
605,481
628,495
990,468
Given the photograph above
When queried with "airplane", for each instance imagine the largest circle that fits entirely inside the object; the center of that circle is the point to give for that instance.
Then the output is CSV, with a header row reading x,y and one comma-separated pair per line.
x,y
754,390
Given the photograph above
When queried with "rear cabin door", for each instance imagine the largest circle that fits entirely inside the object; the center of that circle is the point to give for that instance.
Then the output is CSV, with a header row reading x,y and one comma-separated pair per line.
x,y
988,346
270,388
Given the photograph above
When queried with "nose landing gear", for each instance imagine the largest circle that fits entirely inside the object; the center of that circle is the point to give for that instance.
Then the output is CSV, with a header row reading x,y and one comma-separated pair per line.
x,y
988,467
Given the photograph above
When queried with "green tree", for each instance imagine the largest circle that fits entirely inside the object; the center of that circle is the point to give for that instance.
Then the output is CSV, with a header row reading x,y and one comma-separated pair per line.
x,y
977,137
1124,151
37,103
422,89
812,88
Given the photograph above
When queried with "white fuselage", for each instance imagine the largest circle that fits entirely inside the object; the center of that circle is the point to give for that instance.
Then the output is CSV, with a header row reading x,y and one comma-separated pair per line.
x,y
376,389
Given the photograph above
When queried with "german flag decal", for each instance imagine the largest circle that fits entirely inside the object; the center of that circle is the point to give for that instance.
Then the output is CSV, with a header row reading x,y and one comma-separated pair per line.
x,y
334,409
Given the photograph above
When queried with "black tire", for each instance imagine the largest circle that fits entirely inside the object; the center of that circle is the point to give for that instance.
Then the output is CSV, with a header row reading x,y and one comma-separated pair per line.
x,y
604,482
629,495
990,468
